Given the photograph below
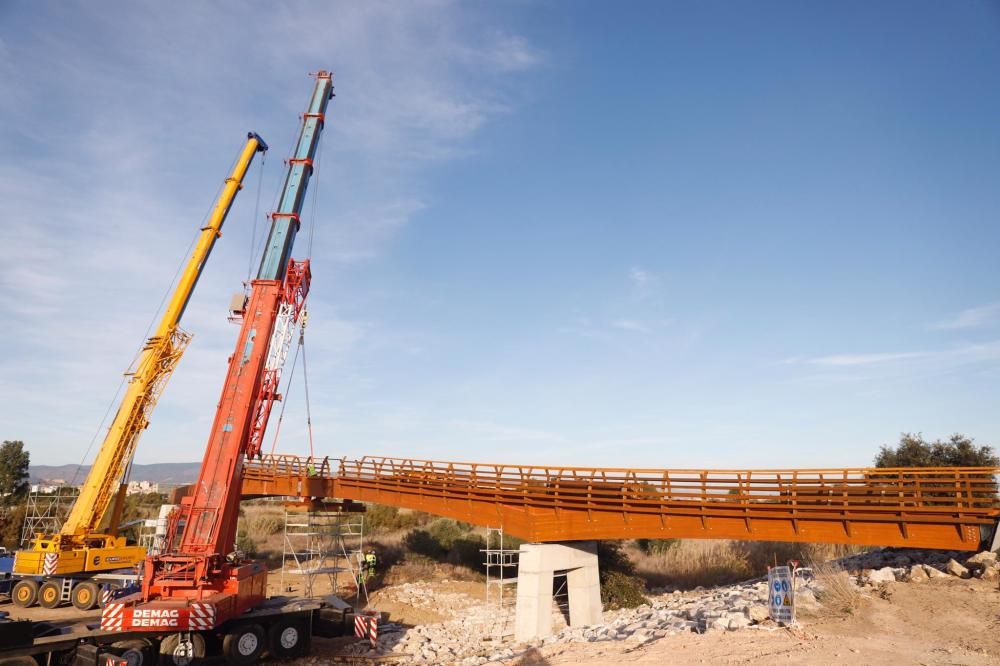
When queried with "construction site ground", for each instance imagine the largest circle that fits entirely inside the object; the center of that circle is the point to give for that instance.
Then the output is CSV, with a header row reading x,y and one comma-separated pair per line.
x,y
945,621
940,621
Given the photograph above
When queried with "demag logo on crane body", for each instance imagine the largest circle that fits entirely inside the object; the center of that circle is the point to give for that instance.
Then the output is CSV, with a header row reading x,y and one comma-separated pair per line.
x,y
155,617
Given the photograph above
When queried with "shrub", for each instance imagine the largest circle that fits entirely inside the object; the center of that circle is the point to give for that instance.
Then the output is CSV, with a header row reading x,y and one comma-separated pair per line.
x,y
423,543
262,526
837,592
656,546
611,556
382,518
509,542
447,531
467,552
446,540
620,590
10,527
245,544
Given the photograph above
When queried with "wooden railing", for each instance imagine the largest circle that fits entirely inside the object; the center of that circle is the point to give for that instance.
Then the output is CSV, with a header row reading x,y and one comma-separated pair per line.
x,y
839,499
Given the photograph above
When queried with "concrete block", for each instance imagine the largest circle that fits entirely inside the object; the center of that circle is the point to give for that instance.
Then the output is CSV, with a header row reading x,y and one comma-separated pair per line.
x,y
537,565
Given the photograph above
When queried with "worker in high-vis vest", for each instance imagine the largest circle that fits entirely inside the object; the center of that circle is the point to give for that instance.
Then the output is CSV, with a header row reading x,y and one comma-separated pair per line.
x,y
370,562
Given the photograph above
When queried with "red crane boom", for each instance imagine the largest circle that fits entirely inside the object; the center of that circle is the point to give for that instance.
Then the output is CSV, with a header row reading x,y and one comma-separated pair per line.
x,y
200,582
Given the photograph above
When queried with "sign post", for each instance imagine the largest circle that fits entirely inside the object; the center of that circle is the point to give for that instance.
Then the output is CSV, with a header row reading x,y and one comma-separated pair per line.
x,y
781,594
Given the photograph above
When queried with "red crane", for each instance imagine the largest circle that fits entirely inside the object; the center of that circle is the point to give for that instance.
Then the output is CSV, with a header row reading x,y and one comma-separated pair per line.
x,y
199,582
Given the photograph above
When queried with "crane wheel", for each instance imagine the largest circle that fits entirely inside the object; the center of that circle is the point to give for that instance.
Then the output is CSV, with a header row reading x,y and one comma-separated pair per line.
x,y
243,645
18,661
85,596
177,652
288,639
25,593
50,594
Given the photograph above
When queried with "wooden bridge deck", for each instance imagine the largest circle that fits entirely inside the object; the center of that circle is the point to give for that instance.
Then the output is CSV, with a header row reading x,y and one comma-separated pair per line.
x,y
950,508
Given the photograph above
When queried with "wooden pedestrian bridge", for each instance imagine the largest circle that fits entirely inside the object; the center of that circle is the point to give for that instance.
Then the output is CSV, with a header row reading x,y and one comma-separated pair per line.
x,y
946,507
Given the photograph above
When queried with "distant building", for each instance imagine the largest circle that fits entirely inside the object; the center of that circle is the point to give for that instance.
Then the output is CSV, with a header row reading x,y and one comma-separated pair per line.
x,y
142,487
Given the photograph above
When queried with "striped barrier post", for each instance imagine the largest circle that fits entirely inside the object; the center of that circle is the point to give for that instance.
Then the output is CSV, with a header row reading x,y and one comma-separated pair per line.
x,y
366,626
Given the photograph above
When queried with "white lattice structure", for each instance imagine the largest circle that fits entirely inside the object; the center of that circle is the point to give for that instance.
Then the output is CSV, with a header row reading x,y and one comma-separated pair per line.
x,y
319,544
45,513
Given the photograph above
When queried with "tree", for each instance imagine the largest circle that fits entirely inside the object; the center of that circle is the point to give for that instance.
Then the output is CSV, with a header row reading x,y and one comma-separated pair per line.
x,y
958,451
13,471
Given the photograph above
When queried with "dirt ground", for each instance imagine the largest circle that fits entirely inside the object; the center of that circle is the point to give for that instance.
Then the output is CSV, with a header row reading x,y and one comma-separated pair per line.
x,y
943,621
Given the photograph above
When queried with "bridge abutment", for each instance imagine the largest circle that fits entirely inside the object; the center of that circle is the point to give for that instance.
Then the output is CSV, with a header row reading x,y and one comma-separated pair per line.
x,y
537,566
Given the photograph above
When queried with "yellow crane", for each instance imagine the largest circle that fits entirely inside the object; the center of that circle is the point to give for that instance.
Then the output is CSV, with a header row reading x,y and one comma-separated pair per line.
x,y
61,567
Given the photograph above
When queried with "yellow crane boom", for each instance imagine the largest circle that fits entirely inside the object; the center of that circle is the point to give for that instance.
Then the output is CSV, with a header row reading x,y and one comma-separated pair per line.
x,y
88,540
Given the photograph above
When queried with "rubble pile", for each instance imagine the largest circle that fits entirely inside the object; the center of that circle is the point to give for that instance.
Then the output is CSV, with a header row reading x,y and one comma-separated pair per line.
x,y
915,566
480,634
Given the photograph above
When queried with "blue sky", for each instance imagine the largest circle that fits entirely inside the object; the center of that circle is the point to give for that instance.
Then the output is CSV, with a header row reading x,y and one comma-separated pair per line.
x,y
663,235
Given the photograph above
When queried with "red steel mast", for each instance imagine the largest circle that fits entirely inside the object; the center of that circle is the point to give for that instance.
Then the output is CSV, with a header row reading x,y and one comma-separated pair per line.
x,y
200,582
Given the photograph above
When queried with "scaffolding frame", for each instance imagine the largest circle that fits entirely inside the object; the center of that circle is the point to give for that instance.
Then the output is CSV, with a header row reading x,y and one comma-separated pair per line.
x,y
323,543
498,563
44,513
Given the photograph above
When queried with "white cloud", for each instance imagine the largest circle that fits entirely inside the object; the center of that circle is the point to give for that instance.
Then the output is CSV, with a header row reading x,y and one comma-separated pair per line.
x,y
864,359
631,325
640,277
109,176
971,318
968,353
513,52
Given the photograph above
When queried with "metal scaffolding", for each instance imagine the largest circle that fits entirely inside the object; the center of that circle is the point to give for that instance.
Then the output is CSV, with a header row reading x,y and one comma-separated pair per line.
x,y
45,512
318,544
501,569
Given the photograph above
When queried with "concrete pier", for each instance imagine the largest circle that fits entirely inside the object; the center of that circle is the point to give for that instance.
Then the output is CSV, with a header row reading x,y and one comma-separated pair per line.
x,y
537,565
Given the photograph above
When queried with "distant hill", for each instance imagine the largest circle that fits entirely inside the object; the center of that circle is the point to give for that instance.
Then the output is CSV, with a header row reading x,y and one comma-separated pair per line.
x,y
169,473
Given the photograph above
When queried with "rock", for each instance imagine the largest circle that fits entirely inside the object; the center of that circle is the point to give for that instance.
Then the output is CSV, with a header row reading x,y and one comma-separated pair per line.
x,y
984,558
883,575
717,624
990,573
738,622
806,598
956,569
934,573
757,613
917,574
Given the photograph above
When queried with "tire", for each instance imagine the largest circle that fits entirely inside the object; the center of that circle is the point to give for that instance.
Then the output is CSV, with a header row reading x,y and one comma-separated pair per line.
x,y
85,596
287,639
174,653
135,652
50,593
18,661
243,644
25,593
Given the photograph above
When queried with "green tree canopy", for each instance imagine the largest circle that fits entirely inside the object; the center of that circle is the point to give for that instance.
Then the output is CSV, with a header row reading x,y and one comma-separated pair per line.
x,y
13,471
958,451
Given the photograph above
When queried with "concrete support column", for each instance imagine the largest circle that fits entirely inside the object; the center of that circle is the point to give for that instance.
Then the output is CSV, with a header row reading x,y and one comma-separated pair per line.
x,y
537,564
